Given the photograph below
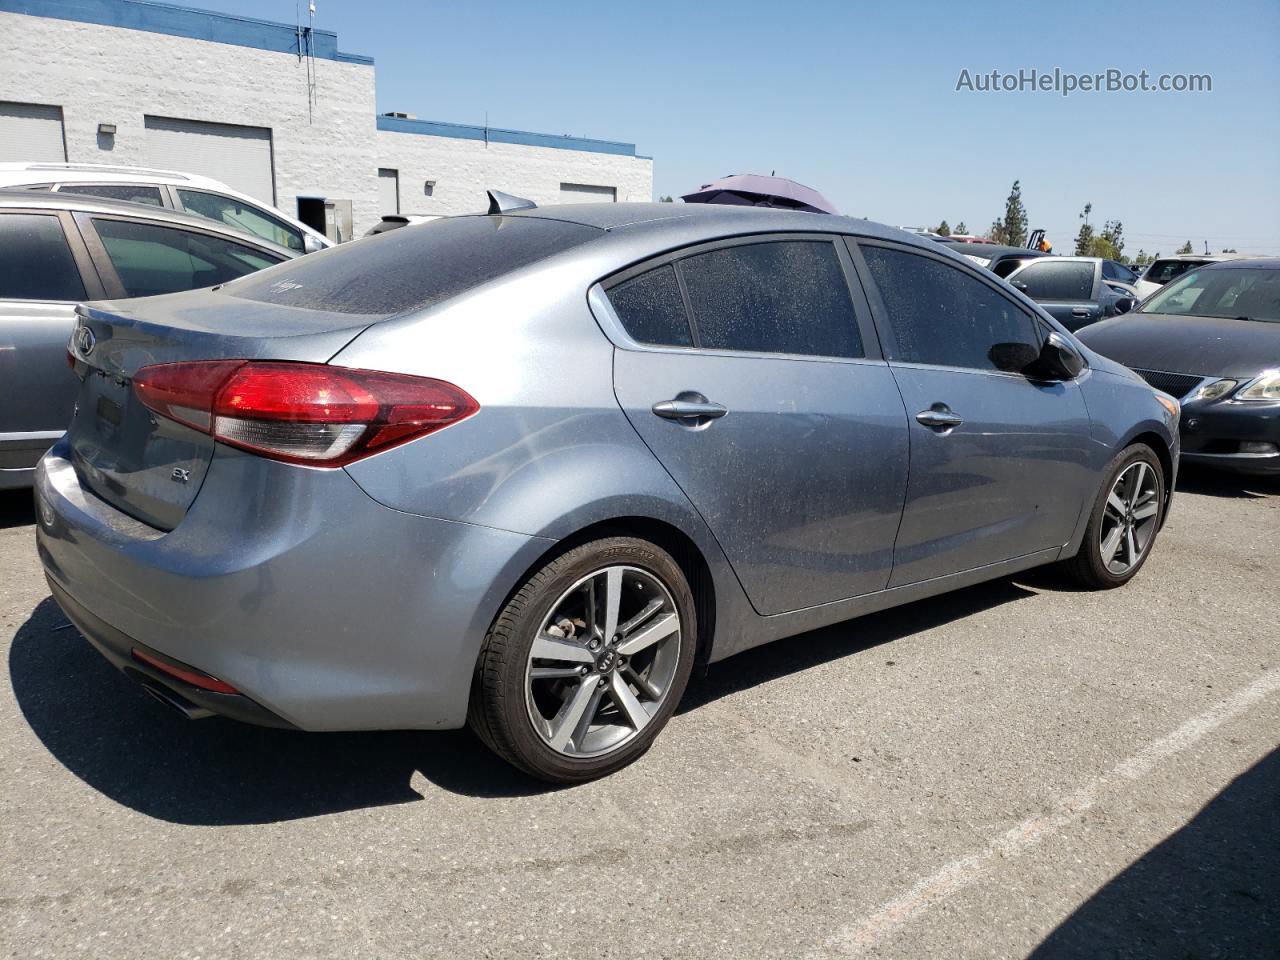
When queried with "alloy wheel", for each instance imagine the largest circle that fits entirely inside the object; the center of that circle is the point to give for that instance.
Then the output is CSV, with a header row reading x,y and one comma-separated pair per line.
x,y
1129,518
603,661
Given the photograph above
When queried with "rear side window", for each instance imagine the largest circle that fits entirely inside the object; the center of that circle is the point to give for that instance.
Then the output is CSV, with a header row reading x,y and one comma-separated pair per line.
x,y
651,308
415,266
1162,271
133,193
941,315
1047,280
784,296
35,261
241,215
151,259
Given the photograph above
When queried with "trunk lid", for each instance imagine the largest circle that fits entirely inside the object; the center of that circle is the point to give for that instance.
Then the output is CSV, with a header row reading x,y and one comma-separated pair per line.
x,y
146,465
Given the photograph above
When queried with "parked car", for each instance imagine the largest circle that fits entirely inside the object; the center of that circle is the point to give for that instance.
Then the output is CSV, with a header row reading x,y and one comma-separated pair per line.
x,y
1212,338
201,196
524,468
1073,289
59,249
1166,269
1000,259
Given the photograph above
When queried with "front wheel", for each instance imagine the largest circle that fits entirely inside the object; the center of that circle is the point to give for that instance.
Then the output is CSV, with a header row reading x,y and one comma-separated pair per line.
x,y
587,662
1124,523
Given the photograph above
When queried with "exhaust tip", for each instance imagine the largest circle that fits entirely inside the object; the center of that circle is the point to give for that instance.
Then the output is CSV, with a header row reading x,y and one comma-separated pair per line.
x,y
188,710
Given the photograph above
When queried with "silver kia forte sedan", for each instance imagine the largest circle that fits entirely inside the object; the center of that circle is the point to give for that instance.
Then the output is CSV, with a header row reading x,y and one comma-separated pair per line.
x,y
523,470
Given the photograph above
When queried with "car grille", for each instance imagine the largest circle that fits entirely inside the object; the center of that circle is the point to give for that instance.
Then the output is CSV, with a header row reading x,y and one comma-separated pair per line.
x,y
1177,384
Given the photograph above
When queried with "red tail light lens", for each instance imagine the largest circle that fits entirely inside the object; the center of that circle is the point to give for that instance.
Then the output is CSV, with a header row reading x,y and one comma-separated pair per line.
x,y
302,412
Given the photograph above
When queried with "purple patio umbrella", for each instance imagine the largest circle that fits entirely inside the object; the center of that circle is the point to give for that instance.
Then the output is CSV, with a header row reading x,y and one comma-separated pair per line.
x,y
752,190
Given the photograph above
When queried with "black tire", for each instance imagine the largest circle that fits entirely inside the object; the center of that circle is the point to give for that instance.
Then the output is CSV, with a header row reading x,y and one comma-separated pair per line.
x,y
1088,567
499,710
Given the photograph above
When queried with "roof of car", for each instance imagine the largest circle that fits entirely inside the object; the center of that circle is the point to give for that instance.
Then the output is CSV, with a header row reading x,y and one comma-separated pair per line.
x,y
42,200
991,250
1246,263
658,217
16,174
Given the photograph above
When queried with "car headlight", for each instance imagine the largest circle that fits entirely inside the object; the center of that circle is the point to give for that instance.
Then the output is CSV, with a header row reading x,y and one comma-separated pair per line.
x,y
1265,387
1216,390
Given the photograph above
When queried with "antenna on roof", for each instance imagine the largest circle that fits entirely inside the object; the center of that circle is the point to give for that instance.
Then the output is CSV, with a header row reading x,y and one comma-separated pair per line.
x,y
500,202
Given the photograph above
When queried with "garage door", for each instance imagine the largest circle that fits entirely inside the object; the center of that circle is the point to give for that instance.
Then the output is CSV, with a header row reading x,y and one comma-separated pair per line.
x,y
587,193
31,131
238,156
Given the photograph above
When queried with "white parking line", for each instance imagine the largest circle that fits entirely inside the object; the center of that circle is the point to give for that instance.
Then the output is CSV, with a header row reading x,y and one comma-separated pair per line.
x,y
879,926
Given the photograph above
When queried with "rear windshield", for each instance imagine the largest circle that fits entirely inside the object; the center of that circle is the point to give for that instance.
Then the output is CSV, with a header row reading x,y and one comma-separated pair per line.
x,y
412,267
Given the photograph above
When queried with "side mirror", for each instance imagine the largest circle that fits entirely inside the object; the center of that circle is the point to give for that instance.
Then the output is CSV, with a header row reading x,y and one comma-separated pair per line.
x,y
1125,304
1013,357
1019,285
1058,360
310,244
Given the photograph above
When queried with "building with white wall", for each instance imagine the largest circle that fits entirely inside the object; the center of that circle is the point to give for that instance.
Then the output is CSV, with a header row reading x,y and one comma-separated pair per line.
x,y
275,110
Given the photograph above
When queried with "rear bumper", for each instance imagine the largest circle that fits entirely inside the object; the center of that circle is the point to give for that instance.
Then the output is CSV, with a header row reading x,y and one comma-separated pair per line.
x,y
327,610
1213,435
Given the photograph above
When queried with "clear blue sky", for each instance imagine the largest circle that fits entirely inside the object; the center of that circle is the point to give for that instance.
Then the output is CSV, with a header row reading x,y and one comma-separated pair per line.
x,y
859,101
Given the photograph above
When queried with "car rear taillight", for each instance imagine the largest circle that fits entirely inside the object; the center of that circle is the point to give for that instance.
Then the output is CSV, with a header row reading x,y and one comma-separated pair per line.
x,y
308,413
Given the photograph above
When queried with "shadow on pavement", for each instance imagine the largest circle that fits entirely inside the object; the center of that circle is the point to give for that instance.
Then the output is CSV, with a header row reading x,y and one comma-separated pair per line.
x,y
1211,890
17,508
794,654
106,731
1218,483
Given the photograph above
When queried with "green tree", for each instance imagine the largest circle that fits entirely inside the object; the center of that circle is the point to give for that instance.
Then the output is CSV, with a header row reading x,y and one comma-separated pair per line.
x,y
1185,248
1229,250
942,229
996,231
961,228
1109,244
1014,225
1085,238
665,199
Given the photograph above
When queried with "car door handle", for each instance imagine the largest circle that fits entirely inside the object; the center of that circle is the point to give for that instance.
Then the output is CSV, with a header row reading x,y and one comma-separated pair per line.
x,y
679,409
939,416
1081,312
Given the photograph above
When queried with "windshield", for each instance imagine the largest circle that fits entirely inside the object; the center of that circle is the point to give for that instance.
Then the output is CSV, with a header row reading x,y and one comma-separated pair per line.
x,y
1247,293
1162,271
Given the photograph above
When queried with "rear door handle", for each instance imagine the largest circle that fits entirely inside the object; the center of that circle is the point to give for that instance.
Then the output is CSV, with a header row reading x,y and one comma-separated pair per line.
x,y
679,409
1081,312
939,416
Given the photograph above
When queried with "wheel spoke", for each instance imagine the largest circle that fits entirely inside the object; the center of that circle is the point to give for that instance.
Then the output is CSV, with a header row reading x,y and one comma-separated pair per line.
x,y
553,673
1111,544
1147,509
1116,505
1131,545
628,703
612,600
547,647
642,683
650,608
1135,485
648,635
565,723
589,714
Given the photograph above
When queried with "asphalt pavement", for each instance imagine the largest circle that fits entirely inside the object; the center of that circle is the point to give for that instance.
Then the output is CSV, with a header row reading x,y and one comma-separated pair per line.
x,y
1017,769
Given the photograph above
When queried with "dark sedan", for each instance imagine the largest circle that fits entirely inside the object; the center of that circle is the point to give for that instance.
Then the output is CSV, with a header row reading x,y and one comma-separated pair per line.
x,y
1211,338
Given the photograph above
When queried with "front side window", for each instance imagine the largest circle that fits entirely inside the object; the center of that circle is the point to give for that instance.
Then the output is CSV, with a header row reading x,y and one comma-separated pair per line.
x,y
35,261
131,192
940,315
783,296
151,259
651,308
1056,280
242,216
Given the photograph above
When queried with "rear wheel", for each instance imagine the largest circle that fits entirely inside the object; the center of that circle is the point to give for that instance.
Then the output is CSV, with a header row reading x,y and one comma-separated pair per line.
x,y
587,662
1124,523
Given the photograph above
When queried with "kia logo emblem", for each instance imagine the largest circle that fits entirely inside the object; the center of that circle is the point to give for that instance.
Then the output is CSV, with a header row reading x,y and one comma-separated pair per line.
x,y
84,340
